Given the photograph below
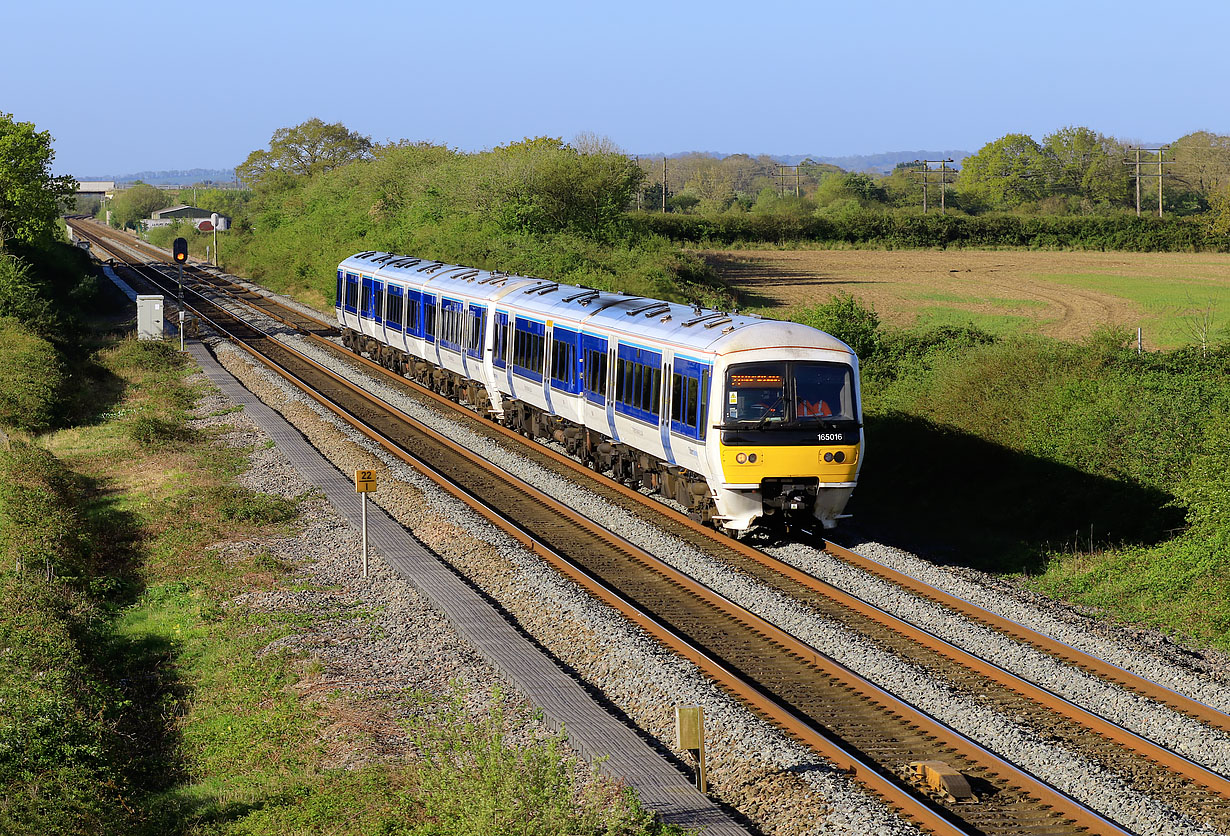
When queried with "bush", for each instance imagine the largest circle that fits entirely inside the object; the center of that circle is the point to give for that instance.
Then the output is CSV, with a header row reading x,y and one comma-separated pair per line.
x,y
851,224
31,378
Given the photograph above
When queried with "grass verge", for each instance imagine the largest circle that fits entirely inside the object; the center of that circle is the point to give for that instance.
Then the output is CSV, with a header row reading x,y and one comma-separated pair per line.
x,y
143,691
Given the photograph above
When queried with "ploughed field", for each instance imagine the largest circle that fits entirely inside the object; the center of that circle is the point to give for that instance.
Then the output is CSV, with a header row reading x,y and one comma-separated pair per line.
x,y
1172,296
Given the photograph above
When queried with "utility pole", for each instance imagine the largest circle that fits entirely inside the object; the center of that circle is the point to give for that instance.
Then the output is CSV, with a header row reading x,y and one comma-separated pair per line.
x,y
784,171
925,171
1161,174
663,184
640,191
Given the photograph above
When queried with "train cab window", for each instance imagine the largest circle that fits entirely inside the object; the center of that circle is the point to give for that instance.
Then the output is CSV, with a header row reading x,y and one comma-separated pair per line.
x,y
394,308
823,391
756,393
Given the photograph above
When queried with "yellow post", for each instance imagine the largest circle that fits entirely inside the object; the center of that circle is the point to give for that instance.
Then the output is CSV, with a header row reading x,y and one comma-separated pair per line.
x,y
690,727
364,483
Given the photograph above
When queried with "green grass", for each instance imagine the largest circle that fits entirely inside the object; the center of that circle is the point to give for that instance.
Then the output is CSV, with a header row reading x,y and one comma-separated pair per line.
x,y
1175,307
140,693
935,316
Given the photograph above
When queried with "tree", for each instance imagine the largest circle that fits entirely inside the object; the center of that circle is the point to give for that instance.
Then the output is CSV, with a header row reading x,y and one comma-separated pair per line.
x,y
31,200
542,185
137,203
1089,165
307,149
1202,161
1007,172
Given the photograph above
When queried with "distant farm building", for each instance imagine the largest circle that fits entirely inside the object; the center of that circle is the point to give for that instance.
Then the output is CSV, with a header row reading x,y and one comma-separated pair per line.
x,y
201,217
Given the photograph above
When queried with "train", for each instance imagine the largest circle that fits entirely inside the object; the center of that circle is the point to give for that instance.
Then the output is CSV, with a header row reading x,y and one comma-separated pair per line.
x,y
746,422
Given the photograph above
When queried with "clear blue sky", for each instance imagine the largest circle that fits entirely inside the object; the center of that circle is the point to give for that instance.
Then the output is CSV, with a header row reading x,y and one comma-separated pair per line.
x,y
140,85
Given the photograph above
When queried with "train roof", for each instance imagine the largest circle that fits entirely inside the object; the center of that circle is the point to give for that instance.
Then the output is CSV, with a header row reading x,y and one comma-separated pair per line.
x,y
635,317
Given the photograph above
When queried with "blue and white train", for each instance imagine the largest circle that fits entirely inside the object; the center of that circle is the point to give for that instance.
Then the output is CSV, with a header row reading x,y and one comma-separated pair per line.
x,y
743,420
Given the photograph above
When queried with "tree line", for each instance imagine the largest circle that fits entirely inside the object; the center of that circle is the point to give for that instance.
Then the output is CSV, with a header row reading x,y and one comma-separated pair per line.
x,y
1072,171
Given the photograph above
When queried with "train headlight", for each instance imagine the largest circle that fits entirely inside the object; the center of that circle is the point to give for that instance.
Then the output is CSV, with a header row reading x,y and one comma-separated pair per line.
x,y
751,457
839,457
741,458
828,457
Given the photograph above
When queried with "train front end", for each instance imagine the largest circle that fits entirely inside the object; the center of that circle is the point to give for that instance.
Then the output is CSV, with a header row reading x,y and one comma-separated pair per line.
x,y
789,436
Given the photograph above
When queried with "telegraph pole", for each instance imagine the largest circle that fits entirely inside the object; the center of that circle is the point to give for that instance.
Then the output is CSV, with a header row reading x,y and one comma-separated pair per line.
x,y
1161,174
784,171
663,184
925,171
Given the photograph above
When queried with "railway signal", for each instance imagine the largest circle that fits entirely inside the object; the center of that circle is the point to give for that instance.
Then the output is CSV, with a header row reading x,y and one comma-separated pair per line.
x,y
179,249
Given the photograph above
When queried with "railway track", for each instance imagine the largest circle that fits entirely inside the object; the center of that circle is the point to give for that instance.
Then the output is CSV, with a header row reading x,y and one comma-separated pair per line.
x,y
782,679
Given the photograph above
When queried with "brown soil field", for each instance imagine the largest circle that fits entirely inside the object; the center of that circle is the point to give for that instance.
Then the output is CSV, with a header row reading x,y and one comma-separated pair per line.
x,y
1059,294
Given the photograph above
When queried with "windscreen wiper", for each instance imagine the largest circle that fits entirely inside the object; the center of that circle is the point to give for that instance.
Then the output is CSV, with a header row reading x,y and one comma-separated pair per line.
x,y
769,413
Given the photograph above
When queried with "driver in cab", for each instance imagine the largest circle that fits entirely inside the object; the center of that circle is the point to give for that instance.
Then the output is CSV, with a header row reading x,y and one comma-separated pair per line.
x,y
814,409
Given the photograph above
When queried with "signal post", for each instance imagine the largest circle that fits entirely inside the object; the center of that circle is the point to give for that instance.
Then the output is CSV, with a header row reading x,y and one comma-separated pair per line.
x,y
179,249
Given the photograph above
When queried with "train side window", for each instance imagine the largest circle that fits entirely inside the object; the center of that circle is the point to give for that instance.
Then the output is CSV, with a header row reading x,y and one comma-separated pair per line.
x,y
656,392
500,354
339,297
429,318
352,293
677,397
395,306
529,348
413,300
378,301
595,371
478,323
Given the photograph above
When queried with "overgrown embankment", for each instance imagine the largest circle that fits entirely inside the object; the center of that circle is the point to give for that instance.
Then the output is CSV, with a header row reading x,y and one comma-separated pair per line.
x,y
1096,471
145,690
537,207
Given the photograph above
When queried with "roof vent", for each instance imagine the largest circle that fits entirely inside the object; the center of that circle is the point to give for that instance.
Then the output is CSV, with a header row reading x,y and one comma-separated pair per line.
x,y
652,309
584,297
702,318
715,323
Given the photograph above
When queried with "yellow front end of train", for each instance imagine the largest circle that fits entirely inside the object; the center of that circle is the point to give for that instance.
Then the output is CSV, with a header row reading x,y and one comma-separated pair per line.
x,y
790,441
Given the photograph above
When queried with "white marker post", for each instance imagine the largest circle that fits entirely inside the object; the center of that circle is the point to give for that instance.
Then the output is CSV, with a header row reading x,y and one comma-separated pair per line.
x,y
364,483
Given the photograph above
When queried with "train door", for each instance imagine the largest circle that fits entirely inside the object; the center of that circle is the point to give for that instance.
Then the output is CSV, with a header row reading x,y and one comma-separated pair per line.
x,y
499,351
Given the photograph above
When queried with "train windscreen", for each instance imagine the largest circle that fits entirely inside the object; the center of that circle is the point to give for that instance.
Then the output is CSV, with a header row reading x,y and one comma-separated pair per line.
x,y
788,394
